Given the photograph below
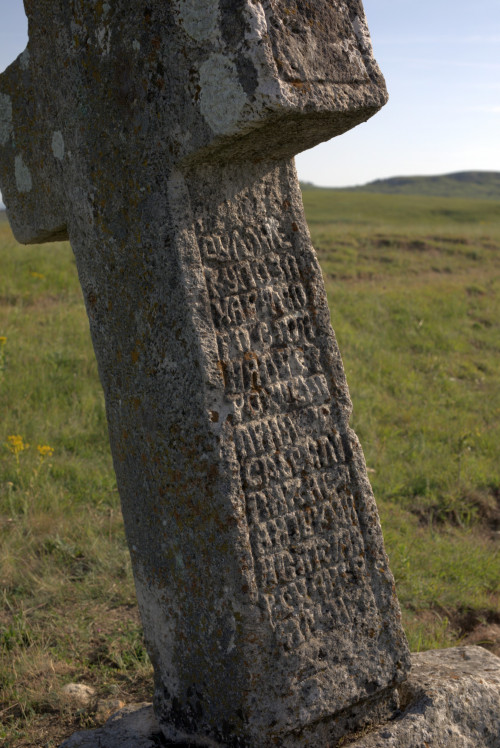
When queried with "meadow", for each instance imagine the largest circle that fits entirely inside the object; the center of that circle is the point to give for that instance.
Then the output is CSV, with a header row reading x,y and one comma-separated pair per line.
x,y
414,292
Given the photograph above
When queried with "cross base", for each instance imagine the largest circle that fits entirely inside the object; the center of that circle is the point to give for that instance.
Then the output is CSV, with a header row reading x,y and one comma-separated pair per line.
x,y
450,699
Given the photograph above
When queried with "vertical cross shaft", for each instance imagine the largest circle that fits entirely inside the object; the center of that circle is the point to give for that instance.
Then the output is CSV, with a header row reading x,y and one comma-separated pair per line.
x,y
165,134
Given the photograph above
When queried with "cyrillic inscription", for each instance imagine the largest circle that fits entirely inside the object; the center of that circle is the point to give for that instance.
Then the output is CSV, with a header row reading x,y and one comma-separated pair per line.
x,y
303,526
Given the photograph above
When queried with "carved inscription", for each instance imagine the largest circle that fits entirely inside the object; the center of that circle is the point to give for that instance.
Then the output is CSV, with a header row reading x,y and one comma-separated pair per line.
x,y
303,526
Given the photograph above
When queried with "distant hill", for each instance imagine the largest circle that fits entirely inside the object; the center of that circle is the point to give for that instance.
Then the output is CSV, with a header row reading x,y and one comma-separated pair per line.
x,y
484,185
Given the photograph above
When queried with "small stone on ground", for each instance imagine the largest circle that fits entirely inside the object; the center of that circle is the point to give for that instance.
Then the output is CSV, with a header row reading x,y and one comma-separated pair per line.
x,y
79,693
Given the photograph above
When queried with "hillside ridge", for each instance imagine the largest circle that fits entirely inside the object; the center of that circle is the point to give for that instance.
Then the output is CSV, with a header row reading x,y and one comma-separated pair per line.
x,y
483,185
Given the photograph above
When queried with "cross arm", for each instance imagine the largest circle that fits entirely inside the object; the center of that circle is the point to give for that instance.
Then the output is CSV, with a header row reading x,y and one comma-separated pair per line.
x,y
183,82
296,74
30,156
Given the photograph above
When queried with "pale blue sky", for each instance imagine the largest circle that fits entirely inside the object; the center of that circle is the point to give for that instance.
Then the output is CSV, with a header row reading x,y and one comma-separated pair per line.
x,y
441,60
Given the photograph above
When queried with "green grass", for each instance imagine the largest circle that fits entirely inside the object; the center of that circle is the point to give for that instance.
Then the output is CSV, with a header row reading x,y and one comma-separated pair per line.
x,y
414,292
346,216
417,316
413,286
67,609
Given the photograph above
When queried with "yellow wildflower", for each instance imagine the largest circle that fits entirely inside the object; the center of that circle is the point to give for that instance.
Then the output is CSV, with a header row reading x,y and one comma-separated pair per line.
x,y
44,450
3,339
16,444
37,275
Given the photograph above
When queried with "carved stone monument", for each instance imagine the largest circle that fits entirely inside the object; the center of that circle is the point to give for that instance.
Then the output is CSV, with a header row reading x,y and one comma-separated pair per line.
x,y
159,136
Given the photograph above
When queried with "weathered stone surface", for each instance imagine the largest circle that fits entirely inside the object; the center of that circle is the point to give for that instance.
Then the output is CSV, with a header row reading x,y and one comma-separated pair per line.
x,y
157,137
134,726
106,707
450,700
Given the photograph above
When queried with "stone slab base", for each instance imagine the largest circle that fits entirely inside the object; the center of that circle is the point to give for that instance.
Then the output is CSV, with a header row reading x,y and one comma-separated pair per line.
x,y
450,700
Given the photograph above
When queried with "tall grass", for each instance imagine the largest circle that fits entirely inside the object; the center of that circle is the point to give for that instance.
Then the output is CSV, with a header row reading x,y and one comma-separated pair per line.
x,y
67,607
413,287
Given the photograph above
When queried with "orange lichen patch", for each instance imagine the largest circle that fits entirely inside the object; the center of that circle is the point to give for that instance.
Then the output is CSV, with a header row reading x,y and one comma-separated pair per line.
x,y
300,85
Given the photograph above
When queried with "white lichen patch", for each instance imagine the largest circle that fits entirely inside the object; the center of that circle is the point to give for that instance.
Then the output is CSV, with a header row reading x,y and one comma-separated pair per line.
x,y
24,59
5,118
103,39
362,34
58,145
257,22
355,55
136,46
271,92
200,19
24,182
222,97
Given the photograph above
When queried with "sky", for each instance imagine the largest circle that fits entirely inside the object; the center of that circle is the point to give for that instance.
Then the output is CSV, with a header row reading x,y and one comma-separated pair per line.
x,y
441,61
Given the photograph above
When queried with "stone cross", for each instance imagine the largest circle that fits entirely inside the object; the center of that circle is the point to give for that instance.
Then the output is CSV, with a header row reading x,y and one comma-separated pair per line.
x,y
159,138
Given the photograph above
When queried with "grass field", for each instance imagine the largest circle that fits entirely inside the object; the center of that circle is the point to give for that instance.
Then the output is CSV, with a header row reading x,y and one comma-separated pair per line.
x,y
413,286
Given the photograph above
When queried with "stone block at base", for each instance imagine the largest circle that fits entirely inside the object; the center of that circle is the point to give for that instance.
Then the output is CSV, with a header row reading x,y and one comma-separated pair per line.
x,y
450,700
134,726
